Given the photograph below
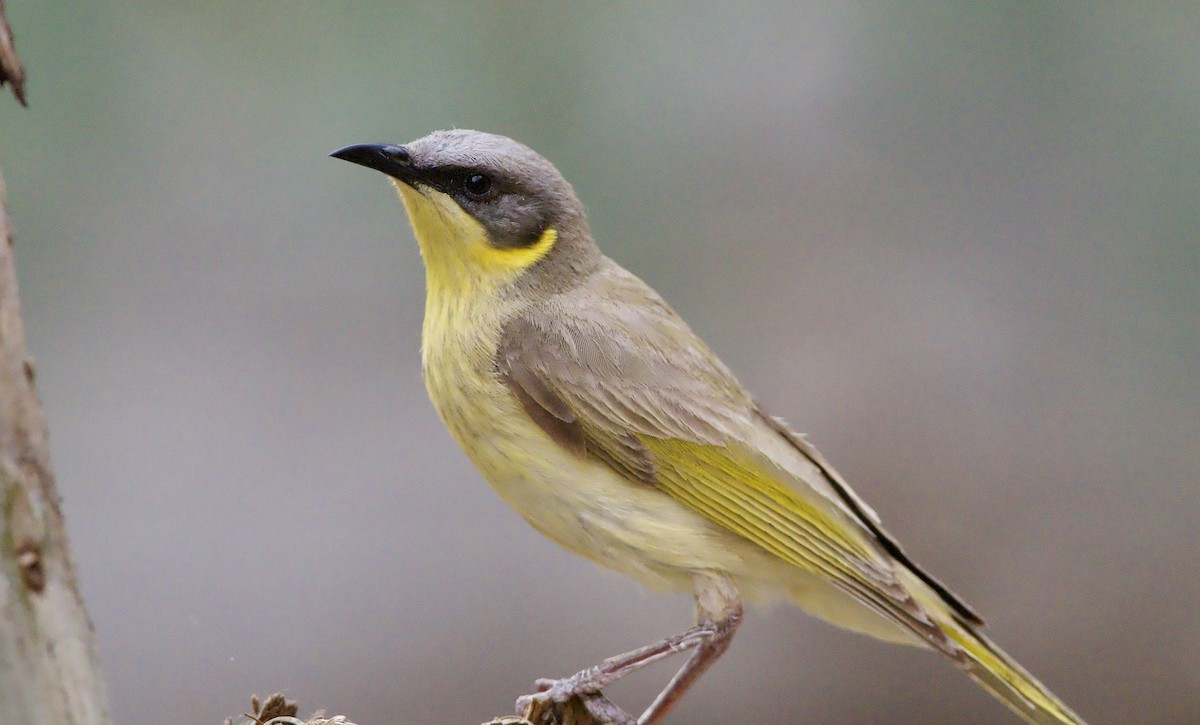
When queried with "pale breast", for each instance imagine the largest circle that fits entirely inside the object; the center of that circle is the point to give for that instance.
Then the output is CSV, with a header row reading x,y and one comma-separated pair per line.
x,y
580,504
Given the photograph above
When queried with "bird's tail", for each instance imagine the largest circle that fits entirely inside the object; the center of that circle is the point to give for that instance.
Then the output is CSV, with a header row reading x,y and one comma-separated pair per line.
x,y
1000,675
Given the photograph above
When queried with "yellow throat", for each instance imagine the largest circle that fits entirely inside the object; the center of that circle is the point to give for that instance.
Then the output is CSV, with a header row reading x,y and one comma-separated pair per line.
x,y
459,259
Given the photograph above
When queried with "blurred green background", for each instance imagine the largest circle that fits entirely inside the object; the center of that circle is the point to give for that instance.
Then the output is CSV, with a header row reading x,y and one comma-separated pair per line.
x,y
958,244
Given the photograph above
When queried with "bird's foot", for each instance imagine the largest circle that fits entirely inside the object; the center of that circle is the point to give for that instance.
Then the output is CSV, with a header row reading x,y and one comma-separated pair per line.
x,y
572,699
552,691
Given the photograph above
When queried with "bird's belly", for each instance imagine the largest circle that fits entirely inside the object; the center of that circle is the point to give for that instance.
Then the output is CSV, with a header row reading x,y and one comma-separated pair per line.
x,y
579,503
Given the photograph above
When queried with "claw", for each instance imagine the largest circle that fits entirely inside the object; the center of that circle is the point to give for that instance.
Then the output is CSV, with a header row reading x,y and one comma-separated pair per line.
x,y
545,683
525,704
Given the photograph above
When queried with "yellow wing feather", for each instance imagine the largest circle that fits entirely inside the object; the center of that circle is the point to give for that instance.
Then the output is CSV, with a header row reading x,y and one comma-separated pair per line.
x,y
730,488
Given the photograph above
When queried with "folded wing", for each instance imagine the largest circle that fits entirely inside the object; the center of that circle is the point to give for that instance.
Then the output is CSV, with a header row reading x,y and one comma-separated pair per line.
x,y
645,397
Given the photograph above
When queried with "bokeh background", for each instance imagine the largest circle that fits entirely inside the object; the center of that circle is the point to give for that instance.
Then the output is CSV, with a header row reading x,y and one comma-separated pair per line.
x,y
958,244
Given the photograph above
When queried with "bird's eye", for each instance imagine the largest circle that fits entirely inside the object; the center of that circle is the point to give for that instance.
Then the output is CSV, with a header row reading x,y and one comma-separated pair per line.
x,y
477,184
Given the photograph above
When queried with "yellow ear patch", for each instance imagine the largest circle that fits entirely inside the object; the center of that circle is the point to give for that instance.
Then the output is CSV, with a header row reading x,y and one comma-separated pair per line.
x,y
516,258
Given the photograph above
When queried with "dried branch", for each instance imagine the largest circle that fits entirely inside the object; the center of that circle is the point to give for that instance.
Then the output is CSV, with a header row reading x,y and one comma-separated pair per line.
x,y
278,710
591,709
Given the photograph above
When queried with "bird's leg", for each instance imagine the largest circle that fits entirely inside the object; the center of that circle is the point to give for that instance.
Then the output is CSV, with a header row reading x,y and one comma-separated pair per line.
x,y
718,606
718,613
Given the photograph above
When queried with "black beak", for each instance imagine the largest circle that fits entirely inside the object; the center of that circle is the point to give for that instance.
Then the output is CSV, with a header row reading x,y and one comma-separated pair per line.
x,y
392,160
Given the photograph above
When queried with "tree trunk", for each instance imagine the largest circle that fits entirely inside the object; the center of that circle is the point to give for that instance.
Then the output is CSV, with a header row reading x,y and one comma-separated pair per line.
x,y
49,670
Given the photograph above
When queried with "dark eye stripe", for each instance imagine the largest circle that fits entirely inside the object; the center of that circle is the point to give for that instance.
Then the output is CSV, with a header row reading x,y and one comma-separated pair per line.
x,y
451,180
521,240
478,192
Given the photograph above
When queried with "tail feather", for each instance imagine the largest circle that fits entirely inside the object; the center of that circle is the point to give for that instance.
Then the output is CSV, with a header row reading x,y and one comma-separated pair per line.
x,y
1000,674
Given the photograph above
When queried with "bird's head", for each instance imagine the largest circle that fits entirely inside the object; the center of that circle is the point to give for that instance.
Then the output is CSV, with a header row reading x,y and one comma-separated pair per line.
x,y
485,209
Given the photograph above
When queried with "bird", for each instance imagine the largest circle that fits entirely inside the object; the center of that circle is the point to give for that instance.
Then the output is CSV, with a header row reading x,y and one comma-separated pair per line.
x,y
596,413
